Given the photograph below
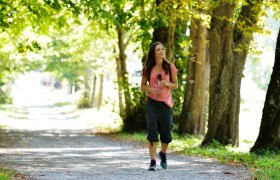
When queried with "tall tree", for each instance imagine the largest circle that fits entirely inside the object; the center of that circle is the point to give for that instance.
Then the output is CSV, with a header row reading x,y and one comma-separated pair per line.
x,y
160,27
125,28
269,134
193,114
165,25
229,43
170,27
21,23
120,19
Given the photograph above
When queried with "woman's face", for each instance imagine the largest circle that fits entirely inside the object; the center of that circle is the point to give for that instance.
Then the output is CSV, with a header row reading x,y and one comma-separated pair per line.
x,y
159,52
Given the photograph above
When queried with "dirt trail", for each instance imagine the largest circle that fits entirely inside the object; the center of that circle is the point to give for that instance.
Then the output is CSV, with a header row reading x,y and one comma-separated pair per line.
x,y
77,154
44,143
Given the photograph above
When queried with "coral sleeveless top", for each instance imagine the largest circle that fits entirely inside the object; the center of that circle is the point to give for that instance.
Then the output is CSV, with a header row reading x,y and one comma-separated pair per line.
x,y
166,93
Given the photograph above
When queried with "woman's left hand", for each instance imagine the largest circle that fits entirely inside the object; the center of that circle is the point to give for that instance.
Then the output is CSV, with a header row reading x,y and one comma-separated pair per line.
x,y
164,83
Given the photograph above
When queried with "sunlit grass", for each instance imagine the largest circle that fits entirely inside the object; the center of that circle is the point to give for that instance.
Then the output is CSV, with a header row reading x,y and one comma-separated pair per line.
x,y
13,112
266,166
16,116
14,109
18,110
6,174
60,104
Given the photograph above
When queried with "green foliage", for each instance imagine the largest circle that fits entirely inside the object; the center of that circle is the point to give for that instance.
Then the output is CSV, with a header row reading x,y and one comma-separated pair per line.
x,y
135,119
5,14
62,60
23,47
136,136
182,43
85,100
22,26
5,98
178,94
267,166
6,69
274,6
264,167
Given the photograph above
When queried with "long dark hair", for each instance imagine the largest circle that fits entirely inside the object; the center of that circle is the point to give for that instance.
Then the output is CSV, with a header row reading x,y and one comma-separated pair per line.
x,y
151,62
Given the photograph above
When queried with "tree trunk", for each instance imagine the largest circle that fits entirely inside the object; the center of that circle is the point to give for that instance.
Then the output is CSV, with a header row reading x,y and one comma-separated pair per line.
x,y
193,113
221,60
170,40
93,90
100,92
160,33
120,90
269,135
122,72
87,90
228,51
70,87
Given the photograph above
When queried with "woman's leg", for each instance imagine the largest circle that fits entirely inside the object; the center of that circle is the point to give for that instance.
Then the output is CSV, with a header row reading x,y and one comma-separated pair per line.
x,y
153,150
152,127
164,147
165,127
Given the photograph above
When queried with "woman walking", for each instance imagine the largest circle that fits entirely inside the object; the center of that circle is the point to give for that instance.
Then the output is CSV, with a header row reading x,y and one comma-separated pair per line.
x,y
159,78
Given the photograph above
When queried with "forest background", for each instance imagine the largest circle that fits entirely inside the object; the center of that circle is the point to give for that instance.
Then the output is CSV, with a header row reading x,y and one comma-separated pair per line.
x,y
224,52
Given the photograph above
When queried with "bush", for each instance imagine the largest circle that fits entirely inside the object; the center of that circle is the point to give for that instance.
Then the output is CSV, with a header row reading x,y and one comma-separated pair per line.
x,y
134,119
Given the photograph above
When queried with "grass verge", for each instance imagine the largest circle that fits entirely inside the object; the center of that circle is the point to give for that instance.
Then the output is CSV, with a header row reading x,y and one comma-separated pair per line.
x,y
8,174
266,166
61,104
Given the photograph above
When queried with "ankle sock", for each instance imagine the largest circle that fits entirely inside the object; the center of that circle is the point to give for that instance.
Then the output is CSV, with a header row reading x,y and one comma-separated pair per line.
x,y
153,162
162,154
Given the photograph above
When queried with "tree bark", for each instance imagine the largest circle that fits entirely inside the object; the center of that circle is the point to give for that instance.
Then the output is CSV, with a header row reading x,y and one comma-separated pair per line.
x,y
93,90
193,115
228,51
120,90
122,74
165,34
100,92
171,40
160,33
269,134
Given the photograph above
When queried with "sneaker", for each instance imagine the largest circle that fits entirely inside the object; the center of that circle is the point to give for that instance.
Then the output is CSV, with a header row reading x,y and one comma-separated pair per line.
x,y
163,161
153,165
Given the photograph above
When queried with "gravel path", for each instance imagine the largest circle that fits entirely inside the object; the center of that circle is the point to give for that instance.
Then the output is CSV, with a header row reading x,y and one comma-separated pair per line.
x,y
59,151
79,154
43,143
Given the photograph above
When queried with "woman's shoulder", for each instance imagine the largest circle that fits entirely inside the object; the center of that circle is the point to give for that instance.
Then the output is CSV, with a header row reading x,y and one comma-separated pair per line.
x,y
172,66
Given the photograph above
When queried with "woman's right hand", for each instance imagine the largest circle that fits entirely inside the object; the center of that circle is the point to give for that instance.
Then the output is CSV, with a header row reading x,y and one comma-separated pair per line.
x,y
155,91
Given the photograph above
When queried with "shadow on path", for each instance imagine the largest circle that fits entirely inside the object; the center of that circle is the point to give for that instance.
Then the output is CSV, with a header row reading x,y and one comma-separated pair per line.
x,y
83,155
